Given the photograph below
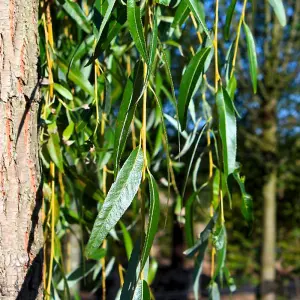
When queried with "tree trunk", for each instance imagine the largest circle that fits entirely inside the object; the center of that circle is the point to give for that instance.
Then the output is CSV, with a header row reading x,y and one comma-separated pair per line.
x,y
21,252
268,272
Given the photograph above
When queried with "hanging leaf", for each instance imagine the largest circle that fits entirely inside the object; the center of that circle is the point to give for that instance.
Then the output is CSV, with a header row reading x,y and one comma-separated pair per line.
x,y
197,9
53,147
127,239
219,241
108,12
154,212
132,273
229,280
76,13
279,11
68,131
63,91
214,293
227,129
229,15
117,200
181,14
251,50
205,234
247,202
125,116
198,269
76,76
142,291
136,28
188,83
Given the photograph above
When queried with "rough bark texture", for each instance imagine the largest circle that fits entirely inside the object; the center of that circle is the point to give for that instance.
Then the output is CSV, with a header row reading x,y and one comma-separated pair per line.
x,y
268,272
21,254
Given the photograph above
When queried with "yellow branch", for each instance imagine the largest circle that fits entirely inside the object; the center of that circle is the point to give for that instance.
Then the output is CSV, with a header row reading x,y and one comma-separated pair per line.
x,y
238,37
52,175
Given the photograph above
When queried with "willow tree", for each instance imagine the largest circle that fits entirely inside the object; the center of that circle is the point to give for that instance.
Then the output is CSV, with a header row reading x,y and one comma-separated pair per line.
x,y
20,196
105,144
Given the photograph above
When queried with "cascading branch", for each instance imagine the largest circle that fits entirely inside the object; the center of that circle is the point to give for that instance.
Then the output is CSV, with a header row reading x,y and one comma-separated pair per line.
x,y
123,54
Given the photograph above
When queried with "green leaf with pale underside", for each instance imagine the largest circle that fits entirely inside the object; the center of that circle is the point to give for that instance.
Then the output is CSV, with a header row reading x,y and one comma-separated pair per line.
x,y
117,200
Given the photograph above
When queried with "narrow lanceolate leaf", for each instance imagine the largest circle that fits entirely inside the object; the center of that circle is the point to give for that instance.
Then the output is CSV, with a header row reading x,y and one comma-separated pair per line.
x,y
181,14
251,56
63,91
204,236
247,202
219,241
142,291
127,240
197,9
188,83
108,12
198,269
279,11
229,15
54,150
75,75
153,219
227,130
132,273
126,113
214,293
136,28
76,13
118,199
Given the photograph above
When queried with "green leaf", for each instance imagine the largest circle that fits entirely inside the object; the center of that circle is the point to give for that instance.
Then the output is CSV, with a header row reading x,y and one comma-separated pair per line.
x,y
75,276
229,280
227,130
142,291
279,11
188,83
229,15
127,239
164,2
154,212
214,293
76,13
136,28
203,236
251,56
197,8
247,202
132,273
53,147
98,254
219,241
118,199
76,76
68,131
110,31
108,12
198,268
181,14
63,91
131,94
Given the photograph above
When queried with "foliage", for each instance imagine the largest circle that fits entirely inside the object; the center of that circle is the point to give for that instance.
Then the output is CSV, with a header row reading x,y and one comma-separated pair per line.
x,y
109,91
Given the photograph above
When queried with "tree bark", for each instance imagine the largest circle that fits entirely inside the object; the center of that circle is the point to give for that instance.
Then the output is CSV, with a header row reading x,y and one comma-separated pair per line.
x,y
268,272
21,252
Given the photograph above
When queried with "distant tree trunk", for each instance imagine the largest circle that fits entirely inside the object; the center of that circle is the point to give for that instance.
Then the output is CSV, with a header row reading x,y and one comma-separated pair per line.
x,y
21,254
268,272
